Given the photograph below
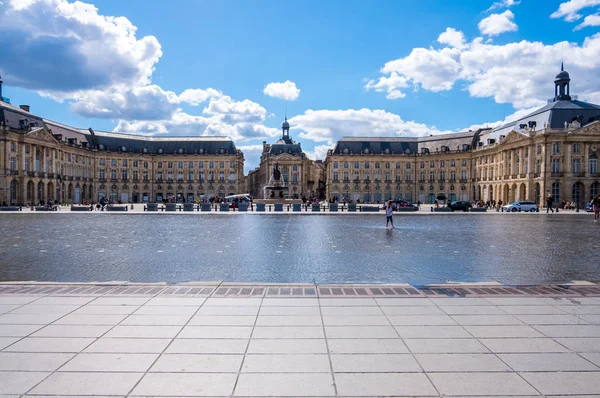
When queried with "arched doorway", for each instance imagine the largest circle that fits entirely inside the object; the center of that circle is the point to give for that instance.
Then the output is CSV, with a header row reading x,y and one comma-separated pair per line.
x,y
50,191
506,194
578,194
536,189
40,192
490,193
522,192
512,197
29,197
594,189
14,192
70,193
77,194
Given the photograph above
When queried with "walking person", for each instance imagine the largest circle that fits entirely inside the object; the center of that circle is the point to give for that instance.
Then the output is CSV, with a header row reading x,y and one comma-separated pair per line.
x,y
388,214
596,208
549,204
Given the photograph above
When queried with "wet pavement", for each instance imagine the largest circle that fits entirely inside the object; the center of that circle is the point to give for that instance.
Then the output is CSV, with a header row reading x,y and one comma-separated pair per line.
x,y
510,248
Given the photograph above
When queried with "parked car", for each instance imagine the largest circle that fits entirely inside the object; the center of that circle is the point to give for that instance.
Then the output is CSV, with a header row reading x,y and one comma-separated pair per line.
x,y
521,206
401,203
460,205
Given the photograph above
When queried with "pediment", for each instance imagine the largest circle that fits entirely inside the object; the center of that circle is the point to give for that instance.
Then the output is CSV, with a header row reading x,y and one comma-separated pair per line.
x,y
590,129
41,134
513,136
286,156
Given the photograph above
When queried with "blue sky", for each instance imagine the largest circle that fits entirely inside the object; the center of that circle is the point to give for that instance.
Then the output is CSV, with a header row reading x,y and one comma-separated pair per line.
x,y
385,68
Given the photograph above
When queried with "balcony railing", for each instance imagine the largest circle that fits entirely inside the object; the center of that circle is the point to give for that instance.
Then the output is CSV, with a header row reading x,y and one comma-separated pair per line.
x,y
556,174
513,176
522,175
536,175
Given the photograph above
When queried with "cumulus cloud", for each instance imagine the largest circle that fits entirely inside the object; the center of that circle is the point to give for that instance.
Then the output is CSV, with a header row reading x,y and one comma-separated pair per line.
x,y
286,90
518,73
319,152
331,125
496,24
503,4
198,96
452,37
569,10
590,20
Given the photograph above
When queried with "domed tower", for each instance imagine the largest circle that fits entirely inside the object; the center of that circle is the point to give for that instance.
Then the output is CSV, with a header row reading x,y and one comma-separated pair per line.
x,y
561,85
286,130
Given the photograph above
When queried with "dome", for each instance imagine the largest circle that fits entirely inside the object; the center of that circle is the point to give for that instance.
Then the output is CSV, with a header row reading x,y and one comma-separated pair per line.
x,y
285,125
562,75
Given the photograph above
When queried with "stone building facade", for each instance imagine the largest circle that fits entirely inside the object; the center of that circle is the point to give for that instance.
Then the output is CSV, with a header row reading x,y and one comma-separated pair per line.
x,y
552,151
303,177
42,160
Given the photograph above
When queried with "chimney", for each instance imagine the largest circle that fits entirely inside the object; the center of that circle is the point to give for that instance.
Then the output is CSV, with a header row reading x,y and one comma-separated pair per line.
x,y
24,107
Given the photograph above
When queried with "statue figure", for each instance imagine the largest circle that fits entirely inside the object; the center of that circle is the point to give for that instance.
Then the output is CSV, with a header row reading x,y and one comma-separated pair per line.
x,y
276,172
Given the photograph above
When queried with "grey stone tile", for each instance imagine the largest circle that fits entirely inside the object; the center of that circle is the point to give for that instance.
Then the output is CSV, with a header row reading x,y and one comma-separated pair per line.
x,y
581,344
461,363
343,311
595,319
432,332
222,311
481,384
64,300
443,346
72,331
19,382
347,302
150,309
116,300
367,346
4,308
287,346
82,383
6,341
570,301
156,320
350,320
232,302
89,319
532,310
374,363
523,345
177,301
27,319
105,310
565,382
569,330
489,320
110,363
284,385
421,320
552,319
32,362
35,308
224,320
580,309
516,301
503,331
18,330
593,357
384,384
288,332
360,332
144,331
407,301
186,384
547,362
292,311
290,302
50,344
10,299
198,363
299,363
208,346
216,332
472,310
288,321
413,310
459,301
132,346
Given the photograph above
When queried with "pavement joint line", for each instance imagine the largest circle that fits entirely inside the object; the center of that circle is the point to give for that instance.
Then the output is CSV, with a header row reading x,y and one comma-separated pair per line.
x,y
335,388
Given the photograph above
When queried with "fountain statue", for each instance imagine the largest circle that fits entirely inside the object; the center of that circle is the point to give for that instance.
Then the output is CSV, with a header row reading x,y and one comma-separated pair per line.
x,y
276,188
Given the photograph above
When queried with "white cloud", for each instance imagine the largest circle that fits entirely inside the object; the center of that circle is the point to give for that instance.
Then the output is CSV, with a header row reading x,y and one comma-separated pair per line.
x,y
319,152
286,90
452,37
570,9
510,118
519,73
496,24
590,20
197,96
331,125
503,4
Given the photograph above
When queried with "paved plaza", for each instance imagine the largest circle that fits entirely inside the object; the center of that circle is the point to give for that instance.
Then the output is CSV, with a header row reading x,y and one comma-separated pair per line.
x,y
248,341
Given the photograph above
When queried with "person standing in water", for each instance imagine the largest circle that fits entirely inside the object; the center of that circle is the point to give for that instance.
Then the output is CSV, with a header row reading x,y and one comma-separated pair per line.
x,y
388,214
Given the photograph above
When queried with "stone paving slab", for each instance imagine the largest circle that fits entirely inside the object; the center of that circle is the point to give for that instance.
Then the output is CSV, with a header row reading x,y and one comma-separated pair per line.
x,y
119,345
